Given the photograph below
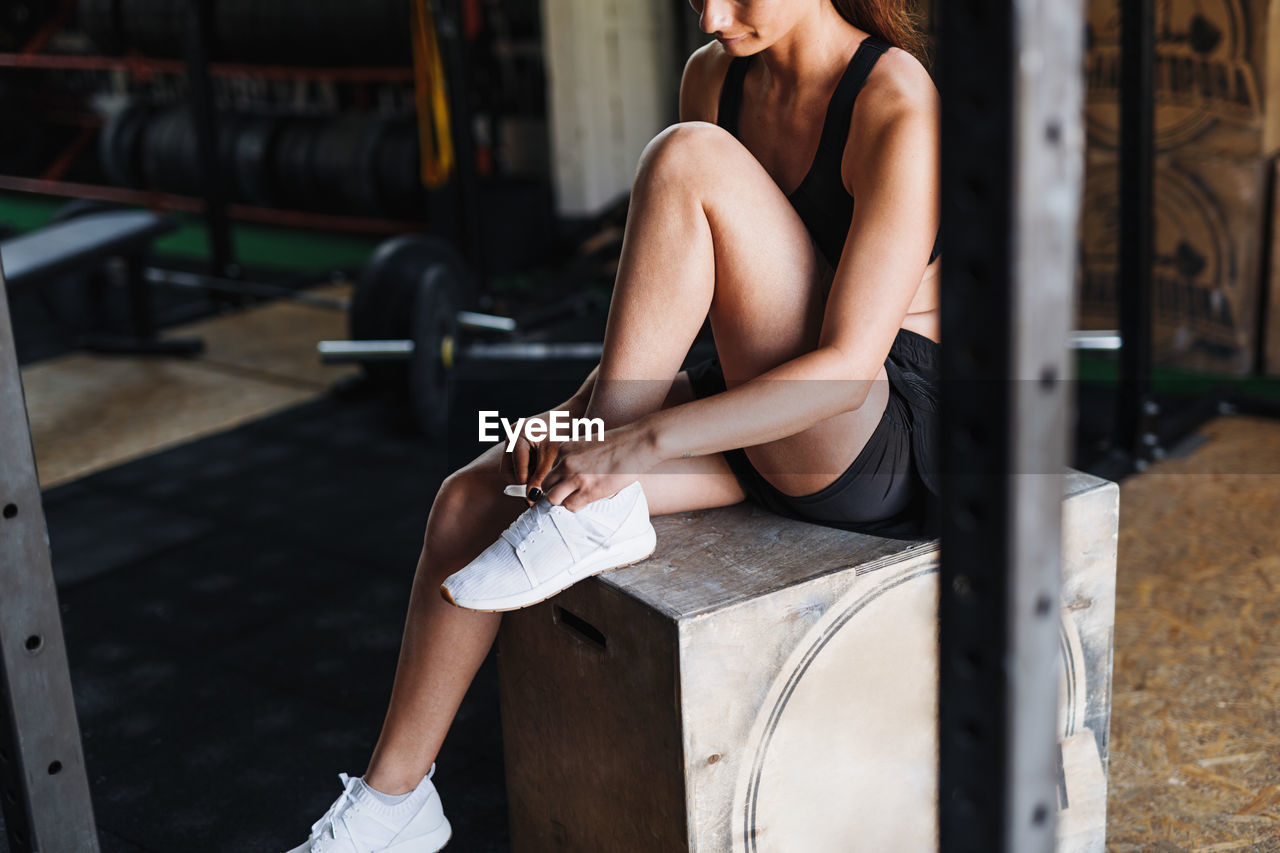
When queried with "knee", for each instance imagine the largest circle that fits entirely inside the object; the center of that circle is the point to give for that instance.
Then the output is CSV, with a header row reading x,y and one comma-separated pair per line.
x,y
689,148
458,491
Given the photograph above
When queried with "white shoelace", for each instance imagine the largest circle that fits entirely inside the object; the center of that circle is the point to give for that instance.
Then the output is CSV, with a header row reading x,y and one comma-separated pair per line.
x,y
335,812
528,524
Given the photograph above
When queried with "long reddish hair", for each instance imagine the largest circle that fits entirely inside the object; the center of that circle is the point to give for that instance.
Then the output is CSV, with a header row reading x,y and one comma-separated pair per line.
x,y
899,22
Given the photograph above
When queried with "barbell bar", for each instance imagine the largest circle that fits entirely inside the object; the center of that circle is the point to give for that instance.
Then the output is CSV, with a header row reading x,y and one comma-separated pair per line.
x,y
356,352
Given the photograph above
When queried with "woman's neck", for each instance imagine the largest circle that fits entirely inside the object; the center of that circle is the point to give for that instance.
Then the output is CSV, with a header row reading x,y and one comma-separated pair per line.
x,y
816,48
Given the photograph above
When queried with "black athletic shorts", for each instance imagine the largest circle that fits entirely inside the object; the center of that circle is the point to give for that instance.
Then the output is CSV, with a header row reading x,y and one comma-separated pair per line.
x,y
891,488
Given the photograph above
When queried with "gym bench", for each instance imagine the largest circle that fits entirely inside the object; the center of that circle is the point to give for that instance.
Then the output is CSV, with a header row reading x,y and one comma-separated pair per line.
x,y
84,244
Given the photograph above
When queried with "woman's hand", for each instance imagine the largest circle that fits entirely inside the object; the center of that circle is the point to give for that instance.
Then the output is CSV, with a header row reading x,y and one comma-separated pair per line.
x,y
528,458
575,473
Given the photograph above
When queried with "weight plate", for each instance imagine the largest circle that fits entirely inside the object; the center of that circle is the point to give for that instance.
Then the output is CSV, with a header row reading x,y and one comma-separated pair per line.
x,y
118,146
254,148
174,172
228,129
130,145
361,175
435,330
398,171
169,154
295,176
153,149
382,305
186,157
337,148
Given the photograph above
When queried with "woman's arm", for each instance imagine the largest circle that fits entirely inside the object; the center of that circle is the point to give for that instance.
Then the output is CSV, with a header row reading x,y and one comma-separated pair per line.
x,y
894,170
786,400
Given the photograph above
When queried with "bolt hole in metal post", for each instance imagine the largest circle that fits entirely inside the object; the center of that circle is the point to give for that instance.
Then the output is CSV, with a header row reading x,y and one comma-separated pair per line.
x,y
10,510
55,768
34,643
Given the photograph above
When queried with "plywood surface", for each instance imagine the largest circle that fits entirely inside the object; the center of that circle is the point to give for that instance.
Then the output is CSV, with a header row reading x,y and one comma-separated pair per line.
x,y
90,412
1195,749
742,552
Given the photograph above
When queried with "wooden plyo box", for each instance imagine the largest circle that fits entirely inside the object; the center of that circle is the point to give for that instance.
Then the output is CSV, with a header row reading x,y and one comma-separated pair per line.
x,y
764,685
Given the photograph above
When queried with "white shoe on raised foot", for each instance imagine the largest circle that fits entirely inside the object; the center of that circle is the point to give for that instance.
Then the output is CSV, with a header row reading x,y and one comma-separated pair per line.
x,y
549,548
358,822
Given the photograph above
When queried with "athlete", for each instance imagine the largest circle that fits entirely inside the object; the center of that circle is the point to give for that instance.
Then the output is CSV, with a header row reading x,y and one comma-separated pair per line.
x,y
795,204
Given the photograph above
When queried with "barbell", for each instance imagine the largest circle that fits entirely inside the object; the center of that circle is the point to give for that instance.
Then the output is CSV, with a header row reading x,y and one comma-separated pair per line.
x,y
436,348
406,328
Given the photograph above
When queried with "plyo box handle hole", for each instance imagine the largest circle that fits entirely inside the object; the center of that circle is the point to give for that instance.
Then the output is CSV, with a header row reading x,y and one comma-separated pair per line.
x,y
581,627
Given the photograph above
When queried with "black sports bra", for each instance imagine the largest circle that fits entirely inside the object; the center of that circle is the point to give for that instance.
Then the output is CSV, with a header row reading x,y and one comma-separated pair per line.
x,y
824,205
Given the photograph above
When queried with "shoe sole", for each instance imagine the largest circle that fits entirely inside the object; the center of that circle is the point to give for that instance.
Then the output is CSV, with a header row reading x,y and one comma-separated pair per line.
x,y
633,551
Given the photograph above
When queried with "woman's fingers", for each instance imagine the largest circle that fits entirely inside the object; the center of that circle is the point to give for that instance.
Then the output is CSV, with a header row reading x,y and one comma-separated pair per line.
x,y
520,460
547,452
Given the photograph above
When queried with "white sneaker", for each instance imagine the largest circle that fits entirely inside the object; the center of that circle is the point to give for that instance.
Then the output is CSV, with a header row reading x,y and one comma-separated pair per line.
x,y
358,822
549,548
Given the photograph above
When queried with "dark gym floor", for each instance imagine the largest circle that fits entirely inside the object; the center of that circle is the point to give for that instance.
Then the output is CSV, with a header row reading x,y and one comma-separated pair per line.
x,y
233,610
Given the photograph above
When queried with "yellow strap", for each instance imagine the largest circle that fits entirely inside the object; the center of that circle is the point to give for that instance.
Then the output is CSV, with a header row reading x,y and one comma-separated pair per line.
x,y
431,99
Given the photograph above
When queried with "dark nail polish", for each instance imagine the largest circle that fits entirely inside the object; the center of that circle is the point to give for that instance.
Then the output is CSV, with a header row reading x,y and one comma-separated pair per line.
x,y
534,493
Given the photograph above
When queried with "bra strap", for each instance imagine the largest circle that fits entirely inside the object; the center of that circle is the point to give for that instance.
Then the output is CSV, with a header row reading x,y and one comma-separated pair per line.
x,y
835,131
731,94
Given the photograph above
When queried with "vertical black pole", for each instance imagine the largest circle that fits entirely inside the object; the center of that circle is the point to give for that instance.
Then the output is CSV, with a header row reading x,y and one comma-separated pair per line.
x,y
453,53
974,74
1135,409
1011,79
198,38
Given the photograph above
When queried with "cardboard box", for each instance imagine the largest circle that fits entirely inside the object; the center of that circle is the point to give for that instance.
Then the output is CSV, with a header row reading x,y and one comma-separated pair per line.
x,y
1217,76
762,684
1209,214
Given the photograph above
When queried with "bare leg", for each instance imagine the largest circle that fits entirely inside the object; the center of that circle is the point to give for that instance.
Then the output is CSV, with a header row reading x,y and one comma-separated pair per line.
x,y
710,233
707,231
443,645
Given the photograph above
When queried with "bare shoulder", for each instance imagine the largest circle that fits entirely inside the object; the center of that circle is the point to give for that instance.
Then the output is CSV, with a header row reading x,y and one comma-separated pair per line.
x,y
899,85
700,86
897,113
